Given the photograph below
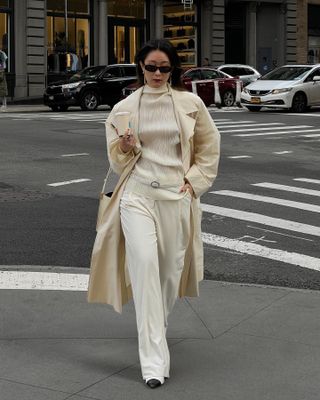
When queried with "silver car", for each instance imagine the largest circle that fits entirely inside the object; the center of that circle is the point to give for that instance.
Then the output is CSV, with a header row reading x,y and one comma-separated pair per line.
x,y
246,73
291,87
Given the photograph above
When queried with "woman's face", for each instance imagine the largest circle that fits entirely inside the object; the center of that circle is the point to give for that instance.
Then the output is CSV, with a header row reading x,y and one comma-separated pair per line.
x,y
159,59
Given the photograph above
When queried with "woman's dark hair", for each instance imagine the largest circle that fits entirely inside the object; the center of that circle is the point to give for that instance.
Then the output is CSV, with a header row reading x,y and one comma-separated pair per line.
x,y
165,46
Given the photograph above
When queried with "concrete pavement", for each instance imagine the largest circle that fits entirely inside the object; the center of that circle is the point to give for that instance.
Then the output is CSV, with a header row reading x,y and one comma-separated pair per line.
x,y
234,342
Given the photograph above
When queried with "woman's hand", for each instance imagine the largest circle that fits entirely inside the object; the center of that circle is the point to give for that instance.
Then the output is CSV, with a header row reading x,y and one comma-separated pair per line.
x,y
127,141
187,187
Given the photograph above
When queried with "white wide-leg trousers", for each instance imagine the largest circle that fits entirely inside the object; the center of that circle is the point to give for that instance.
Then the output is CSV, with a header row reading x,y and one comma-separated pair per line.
x,y
156,235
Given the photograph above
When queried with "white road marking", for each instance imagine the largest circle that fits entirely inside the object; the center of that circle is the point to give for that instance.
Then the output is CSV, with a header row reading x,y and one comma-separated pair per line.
x,y
282,152
312,135
75,155
287,188
227,122
240,157
279,233
68,182
266,129
258,250
276,133
271,200
317,181
43,281
237,124
262,219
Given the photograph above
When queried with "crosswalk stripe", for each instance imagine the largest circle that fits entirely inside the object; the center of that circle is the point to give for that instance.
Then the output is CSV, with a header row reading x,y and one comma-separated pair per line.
x,y
312,135
287,188
317,181
262,219
267,199
277,133
265,129
237,124
226,122
254,249
68,182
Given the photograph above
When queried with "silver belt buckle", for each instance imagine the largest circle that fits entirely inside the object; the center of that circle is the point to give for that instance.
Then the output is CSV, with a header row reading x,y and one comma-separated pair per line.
x,y
155,184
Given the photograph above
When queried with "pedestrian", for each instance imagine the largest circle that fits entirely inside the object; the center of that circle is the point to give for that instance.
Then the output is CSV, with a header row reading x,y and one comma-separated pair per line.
x,y
149,241
3,82
206,62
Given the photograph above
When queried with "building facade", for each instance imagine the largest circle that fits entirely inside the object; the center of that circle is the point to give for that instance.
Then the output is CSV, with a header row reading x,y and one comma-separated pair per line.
x,y
47,40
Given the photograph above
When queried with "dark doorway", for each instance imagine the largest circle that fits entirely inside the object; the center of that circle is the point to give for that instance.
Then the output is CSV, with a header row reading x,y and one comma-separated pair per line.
x,y
235,43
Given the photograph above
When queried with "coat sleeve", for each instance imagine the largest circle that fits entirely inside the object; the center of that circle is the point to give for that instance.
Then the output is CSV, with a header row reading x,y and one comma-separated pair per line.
x,y
206,150
117,158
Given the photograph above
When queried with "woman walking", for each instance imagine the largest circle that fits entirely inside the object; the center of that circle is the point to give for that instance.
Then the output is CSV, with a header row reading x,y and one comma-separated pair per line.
x,y
149,242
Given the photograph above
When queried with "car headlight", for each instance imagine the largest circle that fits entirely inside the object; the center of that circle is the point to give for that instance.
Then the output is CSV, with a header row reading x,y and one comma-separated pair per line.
x,y
73,85
245,90
276,91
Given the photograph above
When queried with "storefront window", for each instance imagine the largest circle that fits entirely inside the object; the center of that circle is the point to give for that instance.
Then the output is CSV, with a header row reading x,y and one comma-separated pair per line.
x,y
313,34
126,8
74,6
5,30
68,49
180,27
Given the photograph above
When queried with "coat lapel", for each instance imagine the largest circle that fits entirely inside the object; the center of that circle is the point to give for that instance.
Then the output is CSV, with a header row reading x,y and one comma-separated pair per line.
x,y
185,115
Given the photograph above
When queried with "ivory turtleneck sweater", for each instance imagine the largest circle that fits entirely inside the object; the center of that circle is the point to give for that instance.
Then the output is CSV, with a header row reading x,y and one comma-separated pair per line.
x,y
160,160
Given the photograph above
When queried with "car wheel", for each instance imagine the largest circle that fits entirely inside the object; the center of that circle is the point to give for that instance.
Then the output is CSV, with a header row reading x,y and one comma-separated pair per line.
x,y
63,108
253,109
89,101
299,103
228,98
54,108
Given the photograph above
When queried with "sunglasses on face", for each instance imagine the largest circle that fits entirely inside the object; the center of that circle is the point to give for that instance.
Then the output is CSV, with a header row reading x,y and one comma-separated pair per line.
x,y
153,68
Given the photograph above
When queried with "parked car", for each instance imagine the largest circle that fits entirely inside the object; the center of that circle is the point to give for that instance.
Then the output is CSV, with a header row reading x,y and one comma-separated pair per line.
x,y
90,87
203,78
294,87
246,73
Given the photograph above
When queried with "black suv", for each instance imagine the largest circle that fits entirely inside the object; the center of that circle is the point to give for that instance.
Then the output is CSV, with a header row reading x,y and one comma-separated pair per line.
x,y
91,87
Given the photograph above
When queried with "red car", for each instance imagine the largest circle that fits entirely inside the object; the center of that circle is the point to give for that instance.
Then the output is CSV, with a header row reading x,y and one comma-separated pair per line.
x,y
201,81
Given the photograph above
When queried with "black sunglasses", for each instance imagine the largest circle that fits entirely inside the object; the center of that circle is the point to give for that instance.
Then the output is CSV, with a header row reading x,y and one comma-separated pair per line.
x,y
154,68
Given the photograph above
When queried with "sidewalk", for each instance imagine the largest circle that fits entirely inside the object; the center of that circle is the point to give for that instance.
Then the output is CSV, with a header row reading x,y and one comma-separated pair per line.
x,y
25,108
234,342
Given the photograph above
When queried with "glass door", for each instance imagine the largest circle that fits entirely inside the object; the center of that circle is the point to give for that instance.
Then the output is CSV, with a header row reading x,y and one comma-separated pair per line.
x,y
125,38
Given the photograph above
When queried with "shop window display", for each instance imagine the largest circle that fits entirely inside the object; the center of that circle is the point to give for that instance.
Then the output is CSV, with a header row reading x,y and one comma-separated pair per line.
x,y
68,50
180,27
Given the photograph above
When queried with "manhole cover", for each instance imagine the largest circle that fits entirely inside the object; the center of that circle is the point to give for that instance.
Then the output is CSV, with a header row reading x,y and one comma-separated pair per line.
x,y
9,193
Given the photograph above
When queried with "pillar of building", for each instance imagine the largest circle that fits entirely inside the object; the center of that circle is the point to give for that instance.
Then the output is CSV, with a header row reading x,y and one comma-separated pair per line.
x,y
291,31
103,28
20,54
36,65
158,19
252,34
301,31
206,30
218,33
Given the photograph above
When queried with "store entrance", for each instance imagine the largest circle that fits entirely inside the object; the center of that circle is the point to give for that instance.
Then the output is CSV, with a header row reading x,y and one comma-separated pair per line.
x,y
125,38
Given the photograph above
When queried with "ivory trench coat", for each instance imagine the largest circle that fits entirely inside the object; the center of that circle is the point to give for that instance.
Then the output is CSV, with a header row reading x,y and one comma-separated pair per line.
x,y
200,150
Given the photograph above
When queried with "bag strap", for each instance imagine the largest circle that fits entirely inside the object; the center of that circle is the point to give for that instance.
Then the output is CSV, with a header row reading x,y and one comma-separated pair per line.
x,y
105,180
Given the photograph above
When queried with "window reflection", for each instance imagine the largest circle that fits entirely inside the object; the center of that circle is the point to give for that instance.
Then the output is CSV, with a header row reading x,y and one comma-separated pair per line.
x,y
126,8
75,6
4,34
68,50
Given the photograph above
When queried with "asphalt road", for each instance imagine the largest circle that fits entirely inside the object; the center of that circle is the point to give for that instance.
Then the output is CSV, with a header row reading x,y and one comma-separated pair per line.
x,y
261,219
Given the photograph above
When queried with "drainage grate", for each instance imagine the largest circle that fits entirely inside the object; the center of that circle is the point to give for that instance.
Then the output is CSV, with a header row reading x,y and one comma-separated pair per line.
x,y
9,193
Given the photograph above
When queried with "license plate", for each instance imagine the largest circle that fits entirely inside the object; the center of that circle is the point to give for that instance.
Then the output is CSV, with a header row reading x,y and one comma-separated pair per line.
x,y
255,100
51,97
